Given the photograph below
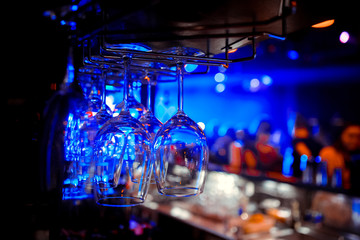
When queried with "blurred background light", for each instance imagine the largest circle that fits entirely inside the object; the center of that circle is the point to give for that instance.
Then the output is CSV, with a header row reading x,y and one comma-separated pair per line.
x,y
223,129
190,67
293,55
324,24
266,80
222,68
254,84
74,7
220,87
288,161
303,162
344,37
276,37
201,125
219,77
232,50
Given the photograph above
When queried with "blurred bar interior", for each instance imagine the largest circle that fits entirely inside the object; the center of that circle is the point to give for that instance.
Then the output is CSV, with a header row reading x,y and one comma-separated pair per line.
x,y
276,92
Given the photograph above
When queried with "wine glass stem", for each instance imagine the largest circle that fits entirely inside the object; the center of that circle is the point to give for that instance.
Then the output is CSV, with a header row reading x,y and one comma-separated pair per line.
x,y
149,95
103,87
180,79
127,81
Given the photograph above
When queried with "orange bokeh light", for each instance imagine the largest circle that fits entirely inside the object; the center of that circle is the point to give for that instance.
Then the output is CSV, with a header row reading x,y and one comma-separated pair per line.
x,y
232,50
324,24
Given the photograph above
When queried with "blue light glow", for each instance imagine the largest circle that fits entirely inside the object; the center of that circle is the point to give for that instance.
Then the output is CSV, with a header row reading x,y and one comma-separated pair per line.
x,y
190,67
254,83
223,129
266,80
276,37
113,88
291,123
293,55
219,77
222,68
62,22
47,13
303,162
74,7
210,126
72,25
220,88
199,90
287,162
132,46
70,72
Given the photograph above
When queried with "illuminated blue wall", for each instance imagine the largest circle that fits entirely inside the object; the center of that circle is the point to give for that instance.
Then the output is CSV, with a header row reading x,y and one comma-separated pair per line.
x,y
274,86
237,105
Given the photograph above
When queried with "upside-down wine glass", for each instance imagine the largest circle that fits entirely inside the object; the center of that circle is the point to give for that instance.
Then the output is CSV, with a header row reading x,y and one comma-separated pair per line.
x,y
72,149
122,157
79,131
151,123
181,152
92,123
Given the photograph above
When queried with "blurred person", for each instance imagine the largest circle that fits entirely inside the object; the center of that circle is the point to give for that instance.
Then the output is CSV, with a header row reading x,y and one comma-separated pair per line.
x,y
344,154
248,153
303,144
235,153
268,157
220,149
258,153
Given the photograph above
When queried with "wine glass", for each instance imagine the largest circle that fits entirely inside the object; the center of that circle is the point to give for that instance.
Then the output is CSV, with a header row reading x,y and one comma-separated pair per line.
x,y
181,152
79,131
122,156
151,123
90,125
72,148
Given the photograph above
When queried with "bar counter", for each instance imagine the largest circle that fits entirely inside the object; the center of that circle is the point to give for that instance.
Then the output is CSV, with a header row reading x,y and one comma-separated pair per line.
x,y
272,210
294,210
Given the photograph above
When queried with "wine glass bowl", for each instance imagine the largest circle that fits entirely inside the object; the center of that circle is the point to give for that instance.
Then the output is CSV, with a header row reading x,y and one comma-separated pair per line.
x,y
181,157
122,155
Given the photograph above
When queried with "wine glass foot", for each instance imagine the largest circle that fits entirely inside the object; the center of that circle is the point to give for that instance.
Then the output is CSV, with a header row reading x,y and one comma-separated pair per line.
x,y
180,191
119,201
